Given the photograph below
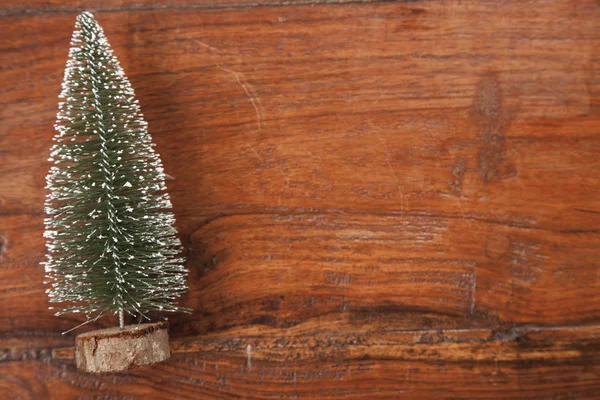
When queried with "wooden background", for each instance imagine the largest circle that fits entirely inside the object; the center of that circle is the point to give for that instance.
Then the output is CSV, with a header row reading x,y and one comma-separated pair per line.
x,y
377,199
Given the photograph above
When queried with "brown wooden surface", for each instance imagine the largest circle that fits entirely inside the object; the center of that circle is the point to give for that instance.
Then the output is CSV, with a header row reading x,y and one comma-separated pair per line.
x,y
393,200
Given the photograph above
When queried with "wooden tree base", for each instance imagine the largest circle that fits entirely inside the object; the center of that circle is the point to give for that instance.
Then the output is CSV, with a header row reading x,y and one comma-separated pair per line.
x,y
114,350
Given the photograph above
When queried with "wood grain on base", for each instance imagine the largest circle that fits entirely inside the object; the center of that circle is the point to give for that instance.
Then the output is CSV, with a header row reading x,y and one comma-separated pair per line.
x,y
116,350
341,174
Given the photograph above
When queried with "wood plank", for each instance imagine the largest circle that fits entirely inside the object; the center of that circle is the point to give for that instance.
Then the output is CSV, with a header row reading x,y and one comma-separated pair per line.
x,y
435,107
524,363
323,272
345,135
377,268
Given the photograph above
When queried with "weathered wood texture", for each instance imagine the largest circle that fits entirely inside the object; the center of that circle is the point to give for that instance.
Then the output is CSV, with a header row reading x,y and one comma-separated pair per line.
x,y
342,174
117,350
473,364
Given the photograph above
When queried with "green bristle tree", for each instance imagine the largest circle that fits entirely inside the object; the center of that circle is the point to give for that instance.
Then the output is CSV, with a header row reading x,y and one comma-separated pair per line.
x,y
112,245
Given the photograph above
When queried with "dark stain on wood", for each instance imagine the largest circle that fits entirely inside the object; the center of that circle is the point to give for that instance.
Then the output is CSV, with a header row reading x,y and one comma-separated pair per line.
x,y
498,245
458,173
492,118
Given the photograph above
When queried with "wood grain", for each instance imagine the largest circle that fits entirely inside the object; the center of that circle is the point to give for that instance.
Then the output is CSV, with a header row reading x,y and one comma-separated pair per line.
x,y
480,364
422,176
120,349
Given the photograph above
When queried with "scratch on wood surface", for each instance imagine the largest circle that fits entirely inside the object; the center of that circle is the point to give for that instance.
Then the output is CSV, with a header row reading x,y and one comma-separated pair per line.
x,y
201,43
245,85
525,263
255,152
473,290
240,78
249,354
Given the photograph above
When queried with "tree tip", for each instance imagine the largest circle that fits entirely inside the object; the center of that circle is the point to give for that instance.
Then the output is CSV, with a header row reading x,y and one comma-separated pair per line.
x,y
85,15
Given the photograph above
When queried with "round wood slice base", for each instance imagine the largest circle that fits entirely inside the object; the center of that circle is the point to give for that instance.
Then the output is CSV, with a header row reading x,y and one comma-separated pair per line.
x,y
114,350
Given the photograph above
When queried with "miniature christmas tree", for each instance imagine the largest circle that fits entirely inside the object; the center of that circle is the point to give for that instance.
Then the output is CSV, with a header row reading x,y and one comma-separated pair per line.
x,y
112,246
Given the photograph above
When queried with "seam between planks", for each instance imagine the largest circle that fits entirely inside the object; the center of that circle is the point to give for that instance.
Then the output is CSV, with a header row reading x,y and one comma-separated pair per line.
x,y
511,224
328,211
